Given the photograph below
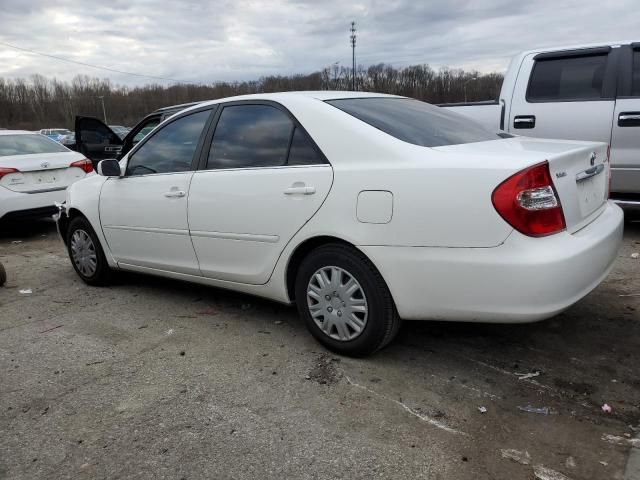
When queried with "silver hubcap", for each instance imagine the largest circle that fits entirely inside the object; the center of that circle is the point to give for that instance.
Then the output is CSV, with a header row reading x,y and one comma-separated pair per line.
x,y
337,303
83,253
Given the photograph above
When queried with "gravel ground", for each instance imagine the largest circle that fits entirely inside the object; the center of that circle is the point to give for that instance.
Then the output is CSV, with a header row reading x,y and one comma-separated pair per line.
x,y
154,378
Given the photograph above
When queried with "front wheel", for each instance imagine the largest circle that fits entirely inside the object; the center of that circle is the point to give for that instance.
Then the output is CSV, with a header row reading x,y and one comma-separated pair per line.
x,y
86,254
345,302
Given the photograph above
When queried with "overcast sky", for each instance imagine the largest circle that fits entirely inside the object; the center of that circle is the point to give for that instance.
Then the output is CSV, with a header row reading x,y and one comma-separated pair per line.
x,y
240,40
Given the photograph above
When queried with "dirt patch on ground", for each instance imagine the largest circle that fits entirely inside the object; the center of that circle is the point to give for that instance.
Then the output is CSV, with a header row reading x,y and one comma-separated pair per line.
x,y
325,371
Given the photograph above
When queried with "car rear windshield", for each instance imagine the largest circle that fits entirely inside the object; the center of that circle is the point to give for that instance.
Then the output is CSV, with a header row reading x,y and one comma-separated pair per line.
x,y
28,144
414,121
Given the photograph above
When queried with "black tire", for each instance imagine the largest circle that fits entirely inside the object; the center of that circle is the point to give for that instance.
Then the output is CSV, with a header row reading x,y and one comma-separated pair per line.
x,y
3,275
382,322
102,273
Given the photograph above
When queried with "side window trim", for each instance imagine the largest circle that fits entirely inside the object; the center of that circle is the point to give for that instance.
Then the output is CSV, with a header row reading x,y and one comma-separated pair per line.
x,y
625,71
293,132
609,81
196,155
208,138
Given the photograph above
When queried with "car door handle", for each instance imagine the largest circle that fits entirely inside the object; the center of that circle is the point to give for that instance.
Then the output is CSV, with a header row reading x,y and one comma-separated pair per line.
x,y
629,119
524,121
174,194
300,190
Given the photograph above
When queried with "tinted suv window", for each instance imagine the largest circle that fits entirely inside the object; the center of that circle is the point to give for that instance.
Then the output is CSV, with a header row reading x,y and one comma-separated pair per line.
x,y
171,149
250,136
572,78
414,121
94,131
636,74
150,125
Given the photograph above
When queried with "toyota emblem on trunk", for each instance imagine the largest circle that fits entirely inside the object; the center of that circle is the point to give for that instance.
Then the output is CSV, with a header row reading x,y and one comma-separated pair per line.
x,y
592,160
44,164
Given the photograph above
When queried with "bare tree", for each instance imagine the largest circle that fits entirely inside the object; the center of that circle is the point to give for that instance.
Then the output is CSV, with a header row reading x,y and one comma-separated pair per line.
x,y
39,102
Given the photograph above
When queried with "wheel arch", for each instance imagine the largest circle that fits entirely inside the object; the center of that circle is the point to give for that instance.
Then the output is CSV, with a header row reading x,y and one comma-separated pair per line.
x,y
65,220
303,249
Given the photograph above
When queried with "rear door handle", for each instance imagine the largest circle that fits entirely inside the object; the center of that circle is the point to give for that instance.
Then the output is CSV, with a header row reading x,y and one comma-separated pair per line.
x,y
300,190
174,194
524,121
629,119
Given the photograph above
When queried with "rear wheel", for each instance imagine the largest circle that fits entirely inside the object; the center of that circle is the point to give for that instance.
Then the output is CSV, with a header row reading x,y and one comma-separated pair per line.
x,y
86,254
344,301
3,275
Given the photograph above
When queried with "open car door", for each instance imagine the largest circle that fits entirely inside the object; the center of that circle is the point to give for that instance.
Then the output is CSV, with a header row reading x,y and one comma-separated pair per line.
x,y
96,141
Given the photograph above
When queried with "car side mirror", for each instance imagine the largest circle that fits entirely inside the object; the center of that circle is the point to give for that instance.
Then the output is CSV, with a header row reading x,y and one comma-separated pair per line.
x,y
109,168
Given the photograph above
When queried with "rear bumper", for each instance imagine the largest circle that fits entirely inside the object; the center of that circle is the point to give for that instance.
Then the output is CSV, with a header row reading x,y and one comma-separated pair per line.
x,y
524,279
23,205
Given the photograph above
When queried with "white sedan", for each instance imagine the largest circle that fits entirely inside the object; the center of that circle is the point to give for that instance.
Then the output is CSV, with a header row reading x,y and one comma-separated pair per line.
x,y
34,172
361,208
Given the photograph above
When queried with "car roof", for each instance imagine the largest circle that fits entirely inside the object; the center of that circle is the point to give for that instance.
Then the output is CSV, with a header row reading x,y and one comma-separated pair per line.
x,y
181,106
312,95
577,47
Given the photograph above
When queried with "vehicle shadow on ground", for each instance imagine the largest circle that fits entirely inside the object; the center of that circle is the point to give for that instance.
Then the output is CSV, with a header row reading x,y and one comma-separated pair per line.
x,y
26,230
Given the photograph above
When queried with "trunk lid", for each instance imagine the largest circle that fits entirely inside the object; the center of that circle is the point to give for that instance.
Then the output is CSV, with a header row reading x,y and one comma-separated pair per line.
x,y
581,178
579,170
41,172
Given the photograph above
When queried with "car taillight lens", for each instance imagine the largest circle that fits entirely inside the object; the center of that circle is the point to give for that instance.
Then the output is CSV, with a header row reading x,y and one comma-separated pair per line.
x,y
85,165
6,171
528,202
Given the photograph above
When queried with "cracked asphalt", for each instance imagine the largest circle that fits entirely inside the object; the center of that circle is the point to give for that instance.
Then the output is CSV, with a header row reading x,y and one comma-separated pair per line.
x,y
155,378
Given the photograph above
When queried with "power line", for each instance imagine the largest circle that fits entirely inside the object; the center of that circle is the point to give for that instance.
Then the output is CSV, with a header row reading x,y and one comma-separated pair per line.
x,y
90,65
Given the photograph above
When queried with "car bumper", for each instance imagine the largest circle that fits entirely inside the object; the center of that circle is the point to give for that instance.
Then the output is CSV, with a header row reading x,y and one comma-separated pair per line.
x,y
21,205
523,280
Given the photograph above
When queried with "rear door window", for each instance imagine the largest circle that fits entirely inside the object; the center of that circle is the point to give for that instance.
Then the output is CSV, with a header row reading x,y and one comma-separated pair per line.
x,y
302,152
636,73
250,136
414,121
567,78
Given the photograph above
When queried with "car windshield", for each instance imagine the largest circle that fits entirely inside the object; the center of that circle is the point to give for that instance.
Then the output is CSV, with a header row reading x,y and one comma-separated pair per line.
x,y
414,121
60,132
28,144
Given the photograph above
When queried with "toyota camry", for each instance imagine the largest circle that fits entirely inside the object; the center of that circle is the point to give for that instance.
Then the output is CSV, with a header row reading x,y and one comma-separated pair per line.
x,y
362,209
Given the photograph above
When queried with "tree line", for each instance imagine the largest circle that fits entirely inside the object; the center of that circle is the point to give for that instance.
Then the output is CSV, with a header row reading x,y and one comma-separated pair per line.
x,y
38,102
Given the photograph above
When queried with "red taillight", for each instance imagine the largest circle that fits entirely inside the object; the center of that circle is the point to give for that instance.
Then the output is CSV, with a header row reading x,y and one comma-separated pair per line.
x,y
6,171
84,164
528,202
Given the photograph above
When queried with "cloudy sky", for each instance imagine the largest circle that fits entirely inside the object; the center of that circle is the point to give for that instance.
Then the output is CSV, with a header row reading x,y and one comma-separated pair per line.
x,y
239,40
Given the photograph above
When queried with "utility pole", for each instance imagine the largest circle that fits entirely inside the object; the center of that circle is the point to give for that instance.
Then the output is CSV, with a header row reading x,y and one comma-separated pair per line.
x,y
464,86
104,112
353,55
335,75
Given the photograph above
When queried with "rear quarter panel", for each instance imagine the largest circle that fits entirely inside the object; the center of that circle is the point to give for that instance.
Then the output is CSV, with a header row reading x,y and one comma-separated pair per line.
x,y
439,198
